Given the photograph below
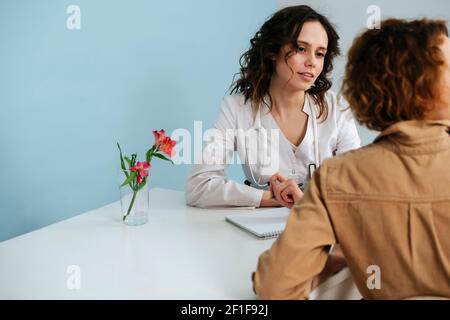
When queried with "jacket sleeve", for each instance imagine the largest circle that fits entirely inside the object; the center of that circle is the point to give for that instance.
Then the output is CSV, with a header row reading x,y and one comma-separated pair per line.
x,y
347,138
207,184
300,252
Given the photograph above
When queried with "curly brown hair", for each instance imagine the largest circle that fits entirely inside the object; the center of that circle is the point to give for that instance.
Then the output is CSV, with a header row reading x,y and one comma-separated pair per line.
x,y
391,72
283,27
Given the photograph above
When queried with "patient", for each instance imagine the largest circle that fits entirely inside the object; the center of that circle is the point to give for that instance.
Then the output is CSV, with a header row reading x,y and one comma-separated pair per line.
x,y
386,204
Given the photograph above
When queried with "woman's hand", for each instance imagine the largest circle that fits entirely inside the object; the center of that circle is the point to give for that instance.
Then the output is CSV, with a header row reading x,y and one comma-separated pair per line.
x,y
335,263
285,191
269,201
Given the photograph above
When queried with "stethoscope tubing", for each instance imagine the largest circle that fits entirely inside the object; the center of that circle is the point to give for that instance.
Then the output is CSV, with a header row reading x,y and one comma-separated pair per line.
x,y
257,126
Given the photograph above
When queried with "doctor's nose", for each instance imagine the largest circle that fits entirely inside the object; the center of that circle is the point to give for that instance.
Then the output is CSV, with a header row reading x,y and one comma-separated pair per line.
x,y
310,61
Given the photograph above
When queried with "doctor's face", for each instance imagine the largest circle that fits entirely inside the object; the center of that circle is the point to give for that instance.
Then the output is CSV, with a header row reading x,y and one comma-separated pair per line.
x,y
305,62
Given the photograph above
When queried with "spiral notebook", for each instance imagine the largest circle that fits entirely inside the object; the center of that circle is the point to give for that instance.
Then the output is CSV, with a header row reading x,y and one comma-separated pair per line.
x,y
263,223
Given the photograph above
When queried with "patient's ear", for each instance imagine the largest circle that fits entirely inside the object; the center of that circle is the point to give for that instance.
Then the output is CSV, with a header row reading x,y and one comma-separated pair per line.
x,y
440,108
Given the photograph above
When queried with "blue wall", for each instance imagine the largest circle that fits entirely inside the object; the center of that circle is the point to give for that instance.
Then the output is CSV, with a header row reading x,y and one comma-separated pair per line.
x,y
67,96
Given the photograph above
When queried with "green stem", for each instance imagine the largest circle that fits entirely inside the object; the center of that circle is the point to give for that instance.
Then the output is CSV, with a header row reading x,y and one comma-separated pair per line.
x,y
131,204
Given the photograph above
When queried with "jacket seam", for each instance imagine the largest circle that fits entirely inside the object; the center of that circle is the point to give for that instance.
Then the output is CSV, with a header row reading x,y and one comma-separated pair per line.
x,y
333,197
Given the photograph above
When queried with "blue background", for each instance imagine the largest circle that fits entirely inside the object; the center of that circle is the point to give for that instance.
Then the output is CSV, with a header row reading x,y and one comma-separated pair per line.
x,y
67,95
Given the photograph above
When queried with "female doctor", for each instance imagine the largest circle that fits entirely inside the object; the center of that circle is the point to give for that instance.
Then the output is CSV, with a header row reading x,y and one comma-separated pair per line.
x,y
281,103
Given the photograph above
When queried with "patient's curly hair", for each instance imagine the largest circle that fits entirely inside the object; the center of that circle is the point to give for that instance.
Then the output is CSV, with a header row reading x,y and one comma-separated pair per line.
x,y
391,73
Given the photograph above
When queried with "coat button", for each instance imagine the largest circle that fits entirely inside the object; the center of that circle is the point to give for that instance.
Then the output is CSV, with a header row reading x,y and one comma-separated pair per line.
x,y
293,171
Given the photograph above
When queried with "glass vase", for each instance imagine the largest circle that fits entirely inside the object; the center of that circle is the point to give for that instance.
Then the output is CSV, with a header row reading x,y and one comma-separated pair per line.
x,y
134,204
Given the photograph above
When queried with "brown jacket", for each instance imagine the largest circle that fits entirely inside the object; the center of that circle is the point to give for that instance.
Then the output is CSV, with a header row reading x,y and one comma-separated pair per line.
x,y
387,205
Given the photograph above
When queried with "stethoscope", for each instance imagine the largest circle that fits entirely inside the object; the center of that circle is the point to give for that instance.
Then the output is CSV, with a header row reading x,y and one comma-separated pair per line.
x,y
262,134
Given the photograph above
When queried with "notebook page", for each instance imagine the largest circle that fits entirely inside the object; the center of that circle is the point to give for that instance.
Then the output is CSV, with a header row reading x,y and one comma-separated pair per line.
x,y
261,222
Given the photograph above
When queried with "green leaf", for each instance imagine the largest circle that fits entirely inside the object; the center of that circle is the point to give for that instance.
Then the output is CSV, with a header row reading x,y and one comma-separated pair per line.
x,y
159,155
129,179
122,163
149,154
128,161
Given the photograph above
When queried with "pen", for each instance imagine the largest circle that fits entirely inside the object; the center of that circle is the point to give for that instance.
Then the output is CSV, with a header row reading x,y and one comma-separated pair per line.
x,y
248,183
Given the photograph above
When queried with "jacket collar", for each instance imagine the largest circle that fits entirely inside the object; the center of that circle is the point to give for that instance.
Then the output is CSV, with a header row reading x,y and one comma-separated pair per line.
x,y
416,132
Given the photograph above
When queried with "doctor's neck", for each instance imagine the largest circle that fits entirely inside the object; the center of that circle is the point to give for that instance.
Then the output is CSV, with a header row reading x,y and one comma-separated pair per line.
x,y
285,99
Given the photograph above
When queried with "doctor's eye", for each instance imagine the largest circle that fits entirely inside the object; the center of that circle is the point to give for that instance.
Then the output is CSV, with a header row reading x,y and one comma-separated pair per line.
x,y
320,54
300,49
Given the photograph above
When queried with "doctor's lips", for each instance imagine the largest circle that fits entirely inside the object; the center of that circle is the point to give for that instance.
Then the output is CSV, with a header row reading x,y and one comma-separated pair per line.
x,y
306,76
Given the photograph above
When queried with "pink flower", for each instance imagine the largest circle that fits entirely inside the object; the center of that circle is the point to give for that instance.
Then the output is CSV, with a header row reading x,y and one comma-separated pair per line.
x,y
167,146
142,168
159,136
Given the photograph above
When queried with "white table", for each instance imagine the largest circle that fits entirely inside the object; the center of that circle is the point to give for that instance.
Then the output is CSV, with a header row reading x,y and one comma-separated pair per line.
x,y
181,253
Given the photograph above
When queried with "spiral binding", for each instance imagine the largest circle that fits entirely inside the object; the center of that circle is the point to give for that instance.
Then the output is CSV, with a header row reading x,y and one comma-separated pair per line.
x,y
271,235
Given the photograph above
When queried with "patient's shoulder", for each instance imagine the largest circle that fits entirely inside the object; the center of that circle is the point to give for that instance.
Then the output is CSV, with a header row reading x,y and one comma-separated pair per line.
x,y
358,170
